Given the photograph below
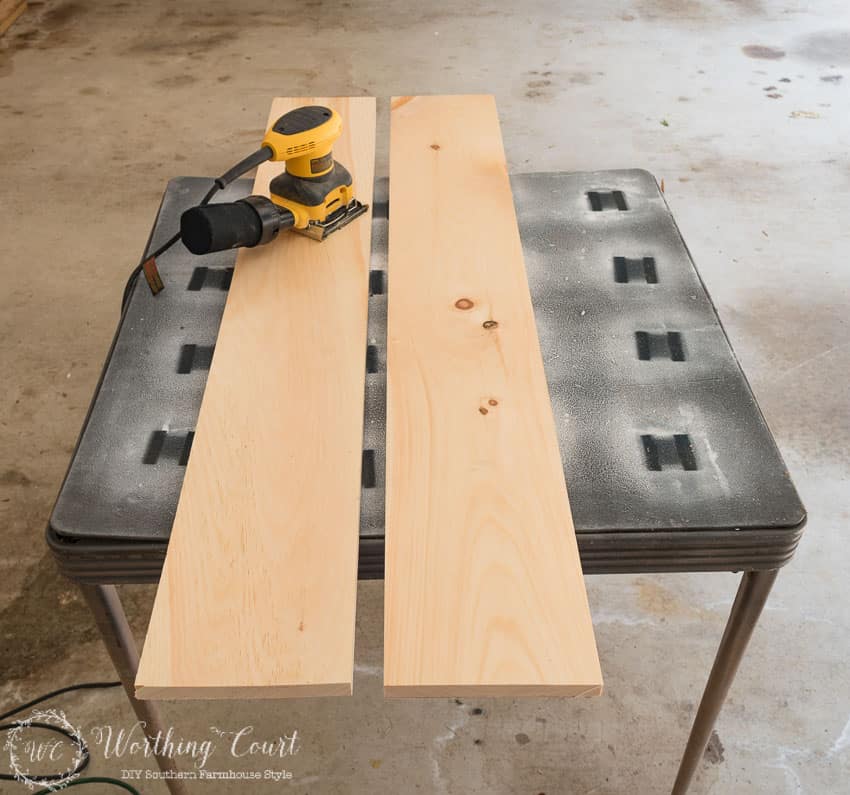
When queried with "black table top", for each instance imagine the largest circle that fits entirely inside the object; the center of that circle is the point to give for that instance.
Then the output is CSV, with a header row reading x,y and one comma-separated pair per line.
x,y
669,463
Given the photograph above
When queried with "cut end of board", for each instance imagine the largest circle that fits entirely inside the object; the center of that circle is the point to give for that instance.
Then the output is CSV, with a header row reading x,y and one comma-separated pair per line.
x,y
493,691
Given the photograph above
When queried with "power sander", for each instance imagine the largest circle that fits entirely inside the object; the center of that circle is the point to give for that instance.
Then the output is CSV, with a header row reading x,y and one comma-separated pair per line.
x,y
313,196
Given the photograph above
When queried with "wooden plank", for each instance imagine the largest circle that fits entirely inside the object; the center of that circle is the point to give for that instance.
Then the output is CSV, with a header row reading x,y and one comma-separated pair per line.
x,y
257,595
484,589
10,10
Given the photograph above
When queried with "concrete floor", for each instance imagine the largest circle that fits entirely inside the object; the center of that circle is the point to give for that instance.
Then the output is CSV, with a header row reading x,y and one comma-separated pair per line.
x,y
742,106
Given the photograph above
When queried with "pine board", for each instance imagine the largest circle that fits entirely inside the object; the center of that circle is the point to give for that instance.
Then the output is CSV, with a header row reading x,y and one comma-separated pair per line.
x,y
484,592
257,596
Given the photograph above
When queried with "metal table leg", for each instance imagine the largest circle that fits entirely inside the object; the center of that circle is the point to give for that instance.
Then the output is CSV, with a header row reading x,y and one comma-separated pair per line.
x,y
752,595
105,604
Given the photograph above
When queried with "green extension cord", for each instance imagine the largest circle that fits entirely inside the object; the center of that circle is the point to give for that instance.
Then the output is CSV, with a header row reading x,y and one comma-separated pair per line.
x,y
80,781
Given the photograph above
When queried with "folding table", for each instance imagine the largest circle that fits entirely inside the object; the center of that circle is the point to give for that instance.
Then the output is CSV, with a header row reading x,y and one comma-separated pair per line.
x,y
669,463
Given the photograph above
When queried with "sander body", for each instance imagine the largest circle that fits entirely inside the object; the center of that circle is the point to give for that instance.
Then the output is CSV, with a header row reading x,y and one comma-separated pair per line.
x,y
313,196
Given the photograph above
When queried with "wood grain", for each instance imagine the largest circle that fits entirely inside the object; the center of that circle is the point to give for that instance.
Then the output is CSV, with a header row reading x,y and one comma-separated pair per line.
x,y
484,589
257,595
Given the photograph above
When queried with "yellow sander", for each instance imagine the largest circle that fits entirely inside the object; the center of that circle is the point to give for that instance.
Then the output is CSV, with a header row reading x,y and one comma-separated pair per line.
x,y
313,196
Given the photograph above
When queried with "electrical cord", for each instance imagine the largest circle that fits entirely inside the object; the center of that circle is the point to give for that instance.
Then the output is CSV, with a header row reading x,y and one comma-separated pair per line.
x,y
54,693
85,756
246,164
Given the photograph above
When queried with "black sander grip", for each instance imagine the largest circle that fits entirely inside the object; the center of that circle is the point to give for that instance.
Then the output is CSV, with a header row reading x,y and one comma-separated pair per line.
x,y
248,222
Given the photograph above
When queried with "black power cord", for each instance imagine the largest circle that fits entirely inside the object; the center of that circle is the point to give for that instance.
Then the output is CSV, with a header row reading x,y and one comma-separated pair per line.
x,y
59,692
85,756
246,164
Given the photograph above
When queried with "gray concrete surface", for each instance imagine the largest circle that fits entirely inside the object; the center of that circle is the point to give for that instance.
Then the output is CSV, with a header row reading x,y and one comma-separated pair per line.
x,y
742,106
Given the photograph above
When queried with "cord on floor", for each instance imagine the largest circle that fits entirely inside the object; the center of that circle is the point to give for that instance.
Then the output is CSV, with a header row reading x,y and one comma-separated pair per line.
x,y
84,751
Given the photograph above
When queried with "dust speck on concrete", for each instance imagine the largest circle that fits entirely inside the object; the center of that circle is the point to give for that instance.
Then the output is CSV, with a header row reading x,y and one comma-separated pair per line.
x,y
23,39
179,41
829,47
176,81
704,11
671,9
714,750
540,85
665,604
762,52
14,477
59,16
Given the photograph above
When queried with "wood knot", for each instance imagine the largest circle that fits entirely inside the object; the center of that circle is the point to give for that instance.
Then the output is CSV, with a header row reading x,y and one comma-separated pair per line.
x,y
435,147
490,324
493,402
482,410
464,303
